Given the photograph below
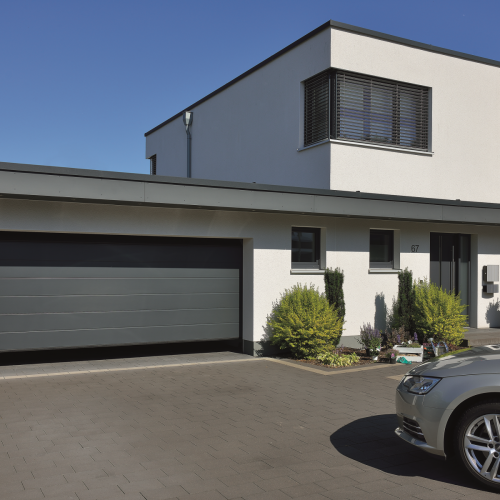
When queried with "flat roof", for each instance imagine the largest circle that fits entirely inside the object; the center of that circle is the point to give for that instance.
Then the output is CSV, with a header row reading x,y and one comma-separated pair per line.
x,y
344,27
39,182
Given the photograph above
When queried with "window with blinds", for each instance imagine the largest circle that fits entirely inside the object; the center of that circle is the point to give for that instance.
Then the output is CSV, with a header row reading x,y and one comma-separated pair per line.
x,y
361,108
317,108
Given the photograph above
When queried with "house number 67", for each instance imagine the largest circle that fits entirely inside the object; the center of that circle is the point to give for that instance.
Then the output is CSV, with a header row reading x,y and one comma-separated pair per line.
x,y
414,248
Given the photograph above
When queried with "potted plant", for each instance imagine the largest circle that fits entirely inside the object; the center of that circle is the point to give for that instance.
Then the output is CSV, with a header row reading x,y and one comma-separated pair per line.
x,y
371,340
391,356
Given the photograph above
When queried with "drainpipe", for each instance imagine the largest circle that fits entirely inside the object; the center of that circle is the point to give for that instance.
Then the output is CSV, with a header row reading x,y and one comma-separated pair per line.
x,y
188,121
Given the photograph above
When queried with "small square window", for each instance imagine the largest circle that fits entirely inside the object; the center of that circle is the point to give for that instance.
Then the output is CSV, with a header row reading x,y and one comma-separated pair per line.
x,y
305,248
381,249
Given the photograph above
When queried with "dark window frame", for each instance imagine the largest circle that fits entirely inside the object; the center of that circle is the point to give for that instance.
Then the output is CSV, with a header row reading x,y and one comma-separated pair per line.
x,y
382,112
387,264
152,165
316,263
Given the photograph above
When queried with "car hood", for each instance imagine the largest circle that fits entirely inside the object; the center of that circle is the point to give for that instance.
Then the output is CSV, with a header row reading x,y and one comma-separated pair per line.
x,y
483,359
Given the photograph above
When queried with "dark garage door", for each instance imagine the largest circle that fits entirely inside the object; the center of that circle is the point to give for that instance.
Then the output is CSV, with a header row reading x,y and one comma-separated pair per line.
x,y
60,290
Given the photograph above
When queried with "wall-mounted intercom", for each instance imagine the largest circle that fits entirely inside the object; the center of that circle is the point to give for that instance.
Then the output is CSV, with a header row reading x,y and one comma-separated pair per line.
x,y
490,275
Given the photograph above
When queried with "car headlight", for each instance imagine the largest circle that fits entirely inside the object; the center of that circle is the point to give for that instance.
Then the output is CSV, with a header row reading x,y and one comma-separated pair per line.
x,y
419,385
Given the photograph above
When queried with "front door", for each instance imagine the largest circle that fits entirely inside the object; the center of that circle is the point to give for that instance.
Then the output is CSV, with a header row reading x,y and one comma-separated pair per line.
x,y
450,264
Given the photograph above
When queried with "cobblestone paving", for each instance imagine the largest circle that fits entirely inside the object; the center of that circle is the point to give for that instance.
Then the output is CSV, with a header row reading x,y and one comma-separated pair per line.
x,y
252,430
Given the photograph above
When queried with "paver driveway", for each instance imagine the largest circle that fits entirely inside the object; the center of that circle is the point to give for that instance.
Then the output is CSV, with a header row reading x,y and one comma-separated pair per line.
x,y
233,427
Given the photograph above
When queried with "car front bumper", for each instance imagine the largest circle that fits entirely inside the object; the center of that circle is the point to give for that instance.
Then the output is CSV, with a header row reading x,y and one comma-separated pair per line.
x,y
419,444
419,425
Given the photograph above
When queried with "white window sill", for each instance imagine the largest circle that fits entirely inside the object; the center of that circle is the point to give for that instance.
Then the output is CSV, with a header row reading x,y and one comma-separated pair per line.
x,y
368,145
383,271
307,271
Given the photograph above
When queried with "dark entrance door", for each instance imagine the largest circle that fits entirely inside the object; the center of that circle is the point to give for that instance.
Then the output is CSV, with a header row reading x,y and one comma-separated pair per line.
x,y
450,264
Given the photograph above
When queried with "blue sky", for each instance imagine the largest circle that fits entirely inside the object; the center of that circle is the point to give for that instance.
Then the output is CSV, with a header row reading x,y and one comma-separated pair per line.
x,y
81,81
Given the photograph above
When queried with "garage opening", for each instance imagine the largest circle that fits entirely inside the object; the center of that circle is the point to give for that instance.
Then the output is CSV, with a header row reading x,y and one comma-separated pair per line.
x,y
74,290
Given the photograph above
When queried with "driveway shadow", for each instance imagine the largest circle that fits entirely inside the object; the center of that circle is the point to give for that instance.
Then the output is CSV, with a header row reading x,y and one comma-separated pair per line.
x,y
115,352
371,441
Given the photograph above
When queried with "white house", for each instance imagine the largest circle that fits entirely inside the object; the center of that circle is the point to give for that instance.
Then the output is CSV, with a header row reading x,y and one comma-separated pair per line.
x,y
349,148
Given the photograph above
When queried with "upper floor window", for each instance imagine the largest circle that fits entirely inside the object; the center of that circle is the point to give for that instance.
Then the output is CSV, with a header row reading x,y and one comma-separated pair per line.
x,y
361,108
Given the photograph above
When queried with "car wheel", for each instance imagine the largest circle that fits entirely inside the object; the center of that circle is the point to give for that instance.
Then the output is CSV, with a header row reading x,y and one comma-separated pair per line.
x,y
477,442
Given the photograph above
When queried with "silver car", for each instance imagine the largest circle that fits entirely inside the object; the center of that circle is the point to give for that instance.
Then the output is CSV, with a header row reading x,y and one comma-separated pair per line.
x,y
451,406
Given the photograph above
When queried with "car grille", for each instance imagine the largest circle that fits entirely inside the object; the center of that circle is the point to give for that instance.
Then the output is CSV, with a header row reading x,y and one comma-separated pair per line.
x,y
413,429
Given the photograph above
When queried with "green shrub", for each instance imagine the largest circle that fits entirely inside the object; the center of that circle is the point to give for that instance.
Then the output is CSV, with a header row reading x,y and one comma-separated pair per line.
x,y
334,281
404,308
396,336
304,323
438,313
334,359
370,338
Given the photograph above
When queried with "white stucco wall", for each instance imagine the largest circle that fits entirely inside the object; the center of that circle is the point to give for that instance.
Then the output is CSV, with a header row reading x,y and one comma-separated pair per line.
x,y
267,251
250,132
488,308
464,133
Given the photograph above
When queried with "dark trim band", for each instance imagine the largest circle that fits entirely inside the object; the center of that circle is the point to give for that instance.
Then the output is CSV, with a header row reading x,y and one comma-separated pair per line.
x,y
243,186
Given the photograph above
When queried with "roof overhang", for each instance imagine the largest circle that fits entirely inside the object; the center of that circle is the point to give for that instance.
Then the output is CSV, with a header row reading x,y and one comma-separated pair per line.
x,y
36,182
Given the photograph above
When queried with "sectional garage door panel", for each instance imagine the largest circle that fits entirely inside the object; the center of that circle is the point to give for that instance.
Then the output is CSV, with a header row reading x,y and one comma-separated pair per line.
x,y
113,286
33,272
115,319
110,337
128,291
105,303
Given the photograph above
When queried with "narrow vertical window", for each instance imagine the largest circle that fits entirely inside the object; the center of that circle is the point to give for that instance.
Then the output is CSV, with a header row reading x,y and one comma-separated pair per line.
x,y
152,164
317,108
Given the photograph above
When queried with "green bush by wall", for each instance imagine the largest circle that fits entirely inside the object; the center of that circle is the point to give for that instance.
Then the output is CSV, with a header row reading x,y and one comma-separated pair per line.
x,y
404,313
438,313
304,323
334,282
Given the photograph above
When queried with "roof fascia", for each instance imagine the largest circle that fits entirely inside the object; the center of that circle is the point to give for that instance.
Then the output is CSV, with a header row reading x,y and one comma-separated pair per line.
x,y
76,173
100,191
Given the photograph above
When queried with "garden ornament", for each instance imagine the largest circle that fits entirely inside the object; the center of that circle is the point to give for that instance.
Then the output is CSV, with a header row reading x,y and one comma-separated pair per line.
x,y
436,347
404,361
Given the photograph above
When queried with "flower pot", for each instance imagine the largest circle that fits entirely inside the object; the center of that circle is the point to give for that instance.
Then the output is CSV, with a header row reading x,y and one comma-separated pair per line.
x,y
393,361
375,358
372,352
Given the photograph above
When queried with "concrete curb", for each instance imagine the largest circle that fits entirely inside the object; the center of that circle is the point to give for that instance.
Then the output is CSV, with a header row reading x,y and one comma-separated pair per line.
x,y
331,371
